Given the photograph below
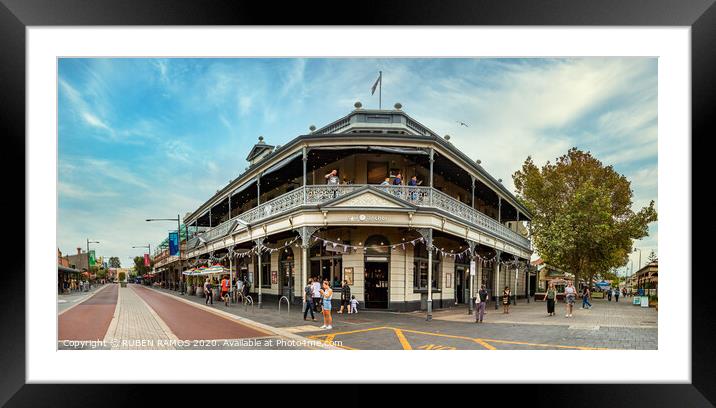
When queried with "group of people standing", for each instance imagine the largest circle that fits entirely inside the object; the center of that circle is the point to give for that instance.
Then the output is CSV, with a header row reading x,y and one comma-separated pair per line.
x,y
332,179
318,297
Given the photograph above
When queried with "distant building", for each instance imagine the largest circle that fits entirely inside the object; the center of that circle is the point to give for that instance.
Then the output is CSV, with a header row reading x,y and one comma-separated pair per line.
x,y
547,273
79,261
646,278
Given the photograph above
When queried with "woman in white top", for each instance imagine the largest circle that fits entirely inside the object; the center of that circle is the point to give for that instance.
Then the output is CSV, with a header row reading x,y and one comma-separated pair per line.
x,y
570,294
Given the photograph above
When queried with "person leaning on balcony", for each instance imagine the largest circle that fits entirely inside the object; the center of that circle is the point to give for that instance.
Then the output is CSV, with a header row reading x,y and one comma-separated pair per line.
x,y
332,178
386,182
398,180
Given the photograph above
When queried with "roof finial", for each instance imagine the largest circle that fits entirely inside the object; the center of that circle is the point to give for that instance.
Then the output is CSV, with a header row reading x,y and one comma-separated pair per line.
x,y
397,106
358,105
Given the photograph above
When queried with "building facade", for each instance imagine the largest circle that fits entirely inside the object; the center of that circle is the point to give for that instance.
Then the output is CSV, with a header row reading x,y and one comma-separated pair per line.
x,y
340,203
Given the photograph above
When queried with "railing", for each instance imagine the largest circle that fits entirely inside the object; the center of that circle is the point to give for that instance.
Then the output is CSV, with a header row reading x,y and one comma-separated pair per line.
x,y
417,195
288,306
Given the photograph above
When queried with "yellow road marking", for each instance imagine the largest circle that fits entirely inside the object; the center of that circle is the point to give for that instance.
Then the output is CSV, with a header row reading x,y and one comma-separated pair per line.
x,y
545,345
485,344
402,339
436,347
400,334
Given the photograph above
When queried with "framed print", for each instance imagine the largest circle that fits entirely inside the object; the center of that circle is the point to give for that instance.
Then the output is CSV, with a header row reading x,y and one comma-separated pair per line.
x,y
546,141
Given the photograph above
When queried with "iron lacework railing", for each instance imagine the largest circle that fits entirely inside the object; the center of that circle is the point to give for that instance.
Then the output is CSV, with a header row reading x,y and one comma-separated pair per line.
x,y
318,194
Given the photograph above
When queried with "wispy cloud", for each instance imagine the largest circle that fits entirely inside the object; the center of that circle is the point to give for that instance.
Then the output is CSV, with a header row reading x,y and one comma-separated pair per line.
x,y
173,131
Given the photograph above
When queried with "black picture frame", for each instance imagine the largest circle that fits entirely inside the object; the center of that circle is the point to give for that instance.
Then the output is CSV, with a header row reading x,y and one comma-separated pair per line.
x,y
16,15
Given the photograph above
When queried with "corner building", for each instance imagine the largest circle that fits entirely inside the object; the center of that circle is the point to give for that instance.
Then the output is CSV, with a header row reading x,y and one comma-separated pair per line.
x,y
401,247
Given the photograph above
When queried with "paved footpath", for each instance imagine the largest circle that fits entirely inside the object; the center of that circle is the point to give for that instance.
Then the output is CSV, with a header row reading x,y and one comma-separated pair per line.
x,y
136,326
606,326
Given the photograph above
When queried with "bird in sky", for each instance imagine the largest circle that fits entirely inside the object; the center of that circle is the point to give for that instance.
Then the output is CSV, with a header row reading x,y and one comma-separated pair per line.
x,y
462,123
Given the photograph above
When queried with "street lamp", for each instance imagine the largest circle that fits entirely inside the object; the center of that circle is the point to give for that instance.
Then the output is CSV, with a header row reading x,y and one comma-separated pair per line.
x,y
178,220
638,249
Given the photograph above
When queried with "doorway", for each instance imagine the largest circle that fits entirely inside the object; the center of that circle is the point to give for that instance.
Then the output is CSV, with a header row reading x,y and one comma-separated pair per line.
x,y
459,284
376,285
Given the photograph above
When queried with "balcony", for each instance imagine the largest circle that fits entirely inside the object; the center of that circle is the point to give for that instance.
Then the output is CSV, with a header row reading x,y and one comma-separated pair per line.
x,y
313,195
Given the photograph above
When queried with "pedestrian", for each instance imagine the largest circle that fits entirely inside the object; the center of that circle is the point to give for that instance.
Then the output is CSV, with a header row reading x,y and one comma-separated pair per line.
x,y
327,295
308,300
316,292
585,298
609,295
398,180
386,182
354,305
207,292
506,300
239,288
345,297
332,178
480,304
570,293
550,297
225,287
616,295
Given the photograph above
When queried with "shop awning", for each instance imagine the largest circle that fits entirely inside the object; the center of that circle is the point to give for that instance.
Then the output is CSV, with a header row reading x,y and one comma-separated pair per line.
x,y
65,269
283,163
399,150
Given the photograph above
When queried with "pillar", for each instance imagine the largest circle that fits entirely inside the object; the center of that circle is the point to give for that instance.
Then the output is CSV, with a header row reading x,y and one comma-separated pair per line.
x,y
305,163
258,269
497,279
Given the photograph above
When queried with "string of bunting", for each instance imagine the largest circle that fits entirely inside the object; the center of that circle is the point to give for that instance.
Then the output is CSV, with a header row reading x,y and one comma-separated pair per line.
x,y
488,261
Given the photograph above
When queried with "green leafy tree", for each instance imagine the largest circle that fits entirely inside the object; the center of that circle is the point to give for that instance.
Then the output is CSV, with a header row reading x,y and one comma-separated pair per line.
x,y
582,216
652,256
139,265
114,262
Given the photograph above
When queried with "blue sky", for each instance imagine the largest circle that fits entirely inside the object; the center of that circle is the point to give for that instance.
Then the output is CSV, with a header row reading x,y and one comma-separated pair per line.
x,y
141,138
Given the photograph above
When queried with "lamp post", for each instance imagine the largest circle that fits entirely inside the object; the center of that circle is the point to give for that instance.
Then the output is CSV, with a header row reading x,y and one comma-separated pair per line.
x,y
178,220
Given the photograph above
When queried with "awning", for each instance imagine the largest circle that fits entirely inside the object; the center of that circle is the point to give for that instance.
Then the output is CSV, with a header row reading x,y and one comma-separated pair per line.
x,y
339,148
399,150
283,163
244,186
65,269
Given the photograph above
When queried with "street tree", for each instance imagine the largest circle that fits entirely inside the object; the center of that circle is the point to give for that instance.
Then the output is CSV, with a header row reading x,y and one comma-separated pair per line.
x,y
114,262
582,213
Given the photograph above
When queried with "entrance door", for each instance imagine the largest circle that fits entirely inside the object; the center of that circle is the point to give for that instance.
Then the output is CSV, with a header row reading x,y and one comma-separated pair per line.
x,y
376,285
459,284
287,284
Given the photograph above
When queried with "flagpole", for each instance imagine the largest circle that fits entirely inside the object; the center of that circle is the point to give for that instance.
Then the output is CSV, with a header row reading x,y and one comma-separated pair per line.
x,y
380,90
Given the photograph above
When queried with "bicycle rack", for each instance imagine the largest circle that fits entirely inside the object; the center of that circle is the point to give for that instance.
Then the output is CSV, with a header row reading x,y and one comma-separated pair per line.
x,y
248,300
288,306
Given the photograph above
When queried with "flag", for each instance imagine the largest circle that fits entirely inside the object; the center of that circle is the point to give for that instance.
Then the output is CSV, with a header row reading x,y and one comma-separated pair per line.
x,y
146,259
173,243
377,81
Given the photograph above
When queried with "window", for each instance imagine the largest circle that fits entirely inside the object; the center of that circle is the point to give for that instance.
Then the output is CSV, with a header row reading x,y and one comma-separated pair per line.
x,y
266,270
420,268
327,263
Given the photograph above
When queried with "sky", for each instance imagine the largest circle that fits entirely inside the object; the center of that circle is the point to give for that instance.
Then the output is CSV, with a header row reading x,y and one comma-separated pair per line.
x,y
153,138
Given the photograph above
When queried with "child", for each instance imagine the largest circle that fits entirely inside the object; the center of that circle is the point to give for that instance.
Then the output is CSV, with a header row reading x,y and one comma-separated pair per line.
x,y
354,305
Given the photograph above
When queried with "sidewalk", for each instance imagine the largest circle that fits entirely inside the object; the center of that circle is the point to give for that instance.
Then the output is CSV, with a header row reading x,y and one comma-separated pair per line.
x,y
136,326
603,314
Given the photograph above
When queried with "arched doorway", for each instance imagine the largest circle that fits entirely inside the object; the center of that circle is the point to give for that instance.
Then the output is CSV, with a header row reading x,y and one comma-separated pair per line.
x,y
286,274
377,272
